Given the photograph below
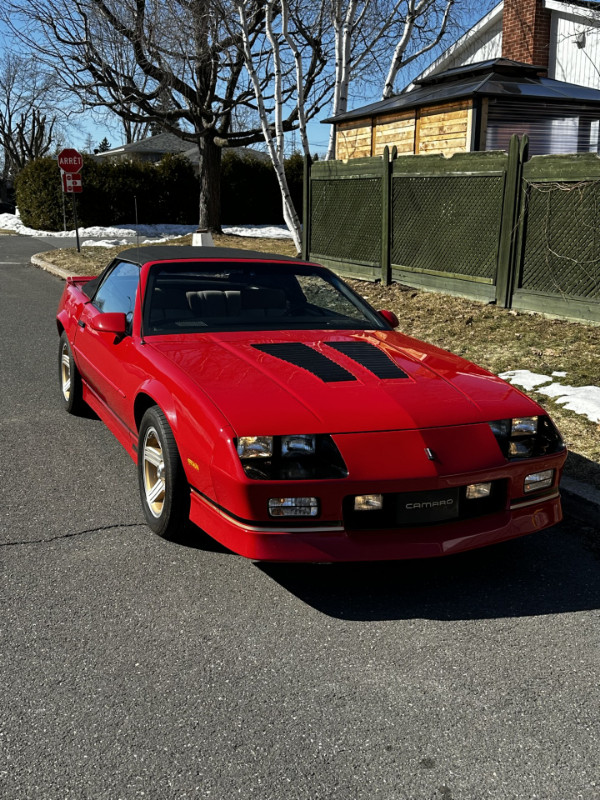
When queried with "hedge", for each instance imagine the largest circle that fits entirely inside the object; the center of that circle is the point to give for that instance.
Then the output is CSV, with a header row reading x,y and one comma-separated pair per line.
x,y
166,192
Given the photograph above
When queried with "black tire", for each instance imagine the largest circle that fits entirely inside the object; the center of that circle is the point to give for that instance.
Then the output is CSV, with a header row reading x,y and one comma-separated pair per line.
x,y
164,490
69,379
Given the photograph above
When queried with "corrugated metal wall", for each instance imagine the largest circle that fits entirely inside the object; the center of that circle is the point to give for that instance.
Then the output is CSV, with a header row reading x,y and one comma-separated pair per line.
x,y
551,128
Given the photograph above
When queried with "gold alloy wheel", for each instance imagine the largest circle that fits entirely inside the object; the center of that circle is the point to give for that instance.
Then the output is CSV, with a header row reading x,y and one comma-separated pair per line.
x,y
65,371
154,472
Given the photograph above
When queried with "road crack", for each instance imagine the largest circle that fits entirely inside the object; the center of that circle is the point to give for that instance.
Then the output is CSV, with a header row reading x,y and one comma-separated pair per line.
x,y
73,534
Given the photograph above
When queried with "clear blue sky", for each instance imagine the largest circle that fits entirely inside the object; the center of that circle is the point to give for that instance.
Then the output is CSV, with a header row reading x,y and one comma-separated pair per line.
x,y
84,124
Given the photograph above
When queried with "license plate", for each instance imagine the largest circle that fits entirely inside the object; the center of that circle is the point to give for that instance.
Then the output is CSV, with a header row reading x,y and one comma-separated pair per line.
x,y
425,508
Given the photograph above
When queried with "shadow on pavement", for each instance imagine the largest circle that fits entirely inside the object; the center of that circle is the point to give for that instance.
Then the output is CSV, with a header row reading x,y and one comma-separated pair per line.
x,y
546,573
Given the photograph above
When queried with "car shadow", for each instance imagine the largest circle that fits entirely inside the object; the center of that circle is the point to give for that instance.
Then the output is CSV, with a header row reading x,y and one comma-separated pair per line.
x,y
546,573
582,469
195,538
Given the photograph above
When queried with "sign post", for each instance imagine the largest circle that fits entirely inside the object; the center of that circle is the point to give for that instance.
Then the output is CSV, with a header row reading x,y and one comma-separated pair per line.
x,y
70,162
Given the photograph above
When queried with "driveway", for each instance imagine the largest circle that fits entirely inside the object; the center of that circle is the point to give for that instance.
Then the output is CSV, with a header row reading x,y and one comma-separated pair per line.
x,y
137,668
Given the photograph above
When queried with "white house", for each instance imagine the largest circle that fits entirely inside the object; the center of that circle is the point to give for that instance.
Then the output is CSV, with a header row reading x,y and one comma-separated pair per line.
x,y
563,37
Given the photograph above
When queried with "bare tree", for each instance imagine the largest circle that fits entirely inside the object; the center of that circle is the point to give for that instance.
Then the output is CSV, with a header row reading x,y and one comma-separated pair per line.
x,y
28,116
293,43
129,55
366,31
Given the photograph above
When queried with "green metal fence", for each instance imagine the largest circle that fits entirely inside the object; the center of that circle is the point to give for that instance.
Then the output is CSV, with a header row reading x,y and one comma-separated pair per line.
x,y
489,226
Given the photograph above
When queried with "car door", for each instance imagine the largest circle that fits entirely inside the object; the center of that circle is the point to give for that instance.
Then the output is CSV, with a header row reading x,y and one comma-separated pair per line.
x,y
107,362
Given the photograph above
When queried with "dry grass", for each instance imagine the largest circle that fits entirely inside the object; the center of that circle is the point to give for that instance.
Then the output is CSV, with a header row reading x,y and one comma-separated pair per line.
x,y
93,259
495,338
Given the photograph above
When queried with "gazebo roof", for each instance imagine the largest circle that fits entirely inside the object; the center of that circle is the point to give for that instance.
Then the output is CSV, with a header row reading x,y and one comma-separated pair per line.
x,y
499,78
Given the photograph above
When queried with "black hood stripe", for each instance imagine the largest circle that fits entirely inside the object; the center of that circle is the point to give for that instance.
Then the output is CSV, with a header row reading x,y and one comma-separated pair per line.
x,y
370,357
300,355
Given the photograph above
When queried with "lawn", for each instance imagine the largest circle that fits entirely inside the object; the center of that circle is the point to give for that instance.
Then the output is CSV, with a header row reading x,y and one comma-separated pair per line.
x,y
495,338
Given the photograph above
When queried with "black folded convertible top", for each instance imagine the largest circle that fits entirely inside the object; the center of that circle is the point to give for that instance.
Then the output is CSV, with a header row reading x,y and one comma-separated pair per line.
x,y
141,255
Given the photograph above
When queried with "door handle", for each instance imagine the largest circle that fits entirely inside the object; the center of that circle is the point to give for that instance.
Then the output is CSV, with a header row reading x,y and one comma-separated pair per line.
x,y
80,323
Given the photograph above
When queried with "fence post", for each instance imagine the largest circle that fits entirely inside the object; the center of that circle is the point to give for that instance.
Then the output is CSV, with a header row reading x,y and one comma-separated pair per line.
x,y
306,209
386,180
507,266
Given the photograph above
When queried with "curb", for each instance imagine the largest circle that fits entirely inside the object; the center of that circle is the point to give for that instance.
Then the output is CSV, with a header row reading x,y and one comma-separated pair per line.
x,y
52,268
580,501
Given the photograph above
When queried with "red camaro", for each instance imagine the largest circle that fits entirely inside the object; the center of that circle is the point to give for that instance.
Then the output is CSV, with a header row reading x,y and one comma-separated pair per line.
x,y
267,402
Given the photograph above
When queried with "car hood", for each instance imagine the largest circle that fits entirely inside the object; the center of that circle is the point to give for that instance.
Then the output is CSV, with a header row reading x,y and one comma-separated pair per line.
x,y
320,382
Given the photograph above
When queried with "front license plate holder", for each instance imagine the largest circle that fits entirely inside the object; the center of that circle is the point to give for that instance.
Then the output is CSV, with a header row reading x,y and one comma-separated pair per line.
x,y
427,508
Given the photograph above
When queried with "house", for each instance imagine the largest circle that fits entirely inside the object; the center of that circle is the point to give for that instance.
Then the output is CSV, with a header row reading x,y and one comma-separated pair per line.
x,y
528,83
562,37
153,148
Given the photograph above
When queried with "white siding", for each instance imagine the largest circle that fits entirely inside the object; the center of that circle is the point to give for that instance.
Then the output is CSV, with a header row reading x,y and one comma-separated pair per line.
x,y
571,63
483,47
482,42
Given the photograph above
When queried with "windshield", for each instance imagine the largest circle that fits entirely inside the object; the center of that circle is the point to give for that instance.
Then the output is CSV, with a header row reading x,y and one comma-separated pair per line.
x,y
195,297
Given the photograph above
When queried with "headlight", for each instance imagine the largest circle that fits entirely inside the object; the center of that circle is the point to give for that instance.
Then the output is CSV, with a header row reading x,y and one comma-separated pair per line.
x,y
255,446
295,457
301,445
526,437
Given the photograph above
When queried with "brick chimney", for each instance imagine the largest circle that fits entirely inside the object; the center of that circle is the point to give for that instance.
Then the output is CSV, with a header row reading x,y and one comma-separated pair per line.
x,y
526,31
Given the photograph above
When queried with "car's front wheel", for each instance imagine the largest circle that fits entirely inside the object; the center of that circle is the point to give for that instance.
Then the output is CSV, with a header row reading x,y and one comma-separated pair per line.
x,y
69,379
163,487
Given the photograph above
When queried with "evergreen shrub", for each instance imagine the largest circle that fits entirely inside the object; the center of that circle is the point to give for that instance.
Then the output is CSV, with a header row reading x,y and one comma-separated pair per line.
x,y
166,192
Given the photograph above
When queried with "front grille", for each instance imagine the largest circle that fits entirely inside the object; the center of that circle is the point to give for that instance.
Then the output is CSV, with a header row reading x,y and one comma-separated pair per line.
x,y
394,513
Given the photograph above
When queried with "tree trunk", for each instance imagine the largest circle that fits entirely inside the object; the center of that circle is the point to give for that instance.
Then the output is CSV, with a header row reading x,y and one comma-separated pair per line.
x,y
210,185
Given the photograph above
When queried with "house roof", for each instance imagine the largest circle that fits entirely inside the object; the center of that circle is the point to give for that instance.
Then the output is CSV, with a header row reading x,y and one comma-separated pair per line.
x,y
161,143
499,77
164,143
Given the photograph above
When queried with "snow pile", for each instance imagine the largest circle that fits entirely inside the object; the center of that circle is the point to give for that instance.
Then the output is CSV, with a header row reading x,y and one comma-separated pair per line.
x,y
583,400
123,234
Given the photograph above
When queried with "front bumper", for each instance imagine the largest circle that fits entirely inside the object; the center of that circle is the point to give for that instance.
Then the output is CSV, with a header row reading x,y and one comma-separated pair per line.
x,y
388,463
326,542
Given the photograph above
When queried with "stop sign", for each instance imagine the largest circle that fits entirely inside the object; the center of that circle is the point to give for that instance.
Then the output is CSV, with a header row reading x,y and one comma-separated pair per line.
x,y
70,160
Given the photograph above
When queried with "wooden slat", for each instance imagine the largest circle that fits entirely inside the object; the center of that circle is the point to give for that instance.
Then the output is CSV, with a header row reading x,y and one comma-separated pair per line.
x,y
446,108
353,141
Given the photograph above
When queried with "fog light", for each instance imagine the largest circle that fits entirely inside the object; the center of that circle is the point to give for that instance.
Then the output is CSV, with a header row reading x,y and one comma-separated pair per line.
x,y
293,506
538,480
475,491
368,502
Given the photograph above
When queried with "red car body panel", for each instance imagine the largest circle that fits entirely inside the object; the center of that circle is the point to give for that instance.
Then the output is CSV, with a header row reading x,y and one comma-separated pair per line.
x,y
216,386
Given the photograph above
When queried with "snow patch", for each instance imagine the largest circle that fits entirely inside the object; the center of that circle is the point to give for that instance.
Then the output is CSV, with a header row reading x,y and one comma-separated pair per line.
x,y
523,377
583,400
113,235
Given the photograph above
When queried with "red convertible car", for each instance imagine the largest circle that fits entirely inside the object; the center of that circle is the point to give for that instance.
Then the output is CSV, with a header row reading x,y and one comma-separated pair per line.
x,y
269,404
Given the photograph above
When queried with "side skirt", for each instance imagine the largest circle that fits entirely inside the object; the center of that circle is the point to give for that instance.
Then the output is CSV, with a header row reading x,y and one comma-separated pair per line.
x,y
120,431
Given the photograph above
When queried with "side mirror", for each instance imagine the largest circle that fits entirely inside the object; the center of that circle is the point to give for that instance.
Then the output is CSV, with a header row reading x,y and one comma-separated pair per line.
x,y
389,317
110,322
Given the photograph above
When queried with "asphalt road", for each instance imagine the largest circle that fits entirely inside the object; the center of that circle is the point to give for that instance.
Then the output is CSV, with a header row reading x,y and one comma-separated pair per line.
x,y
132,667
